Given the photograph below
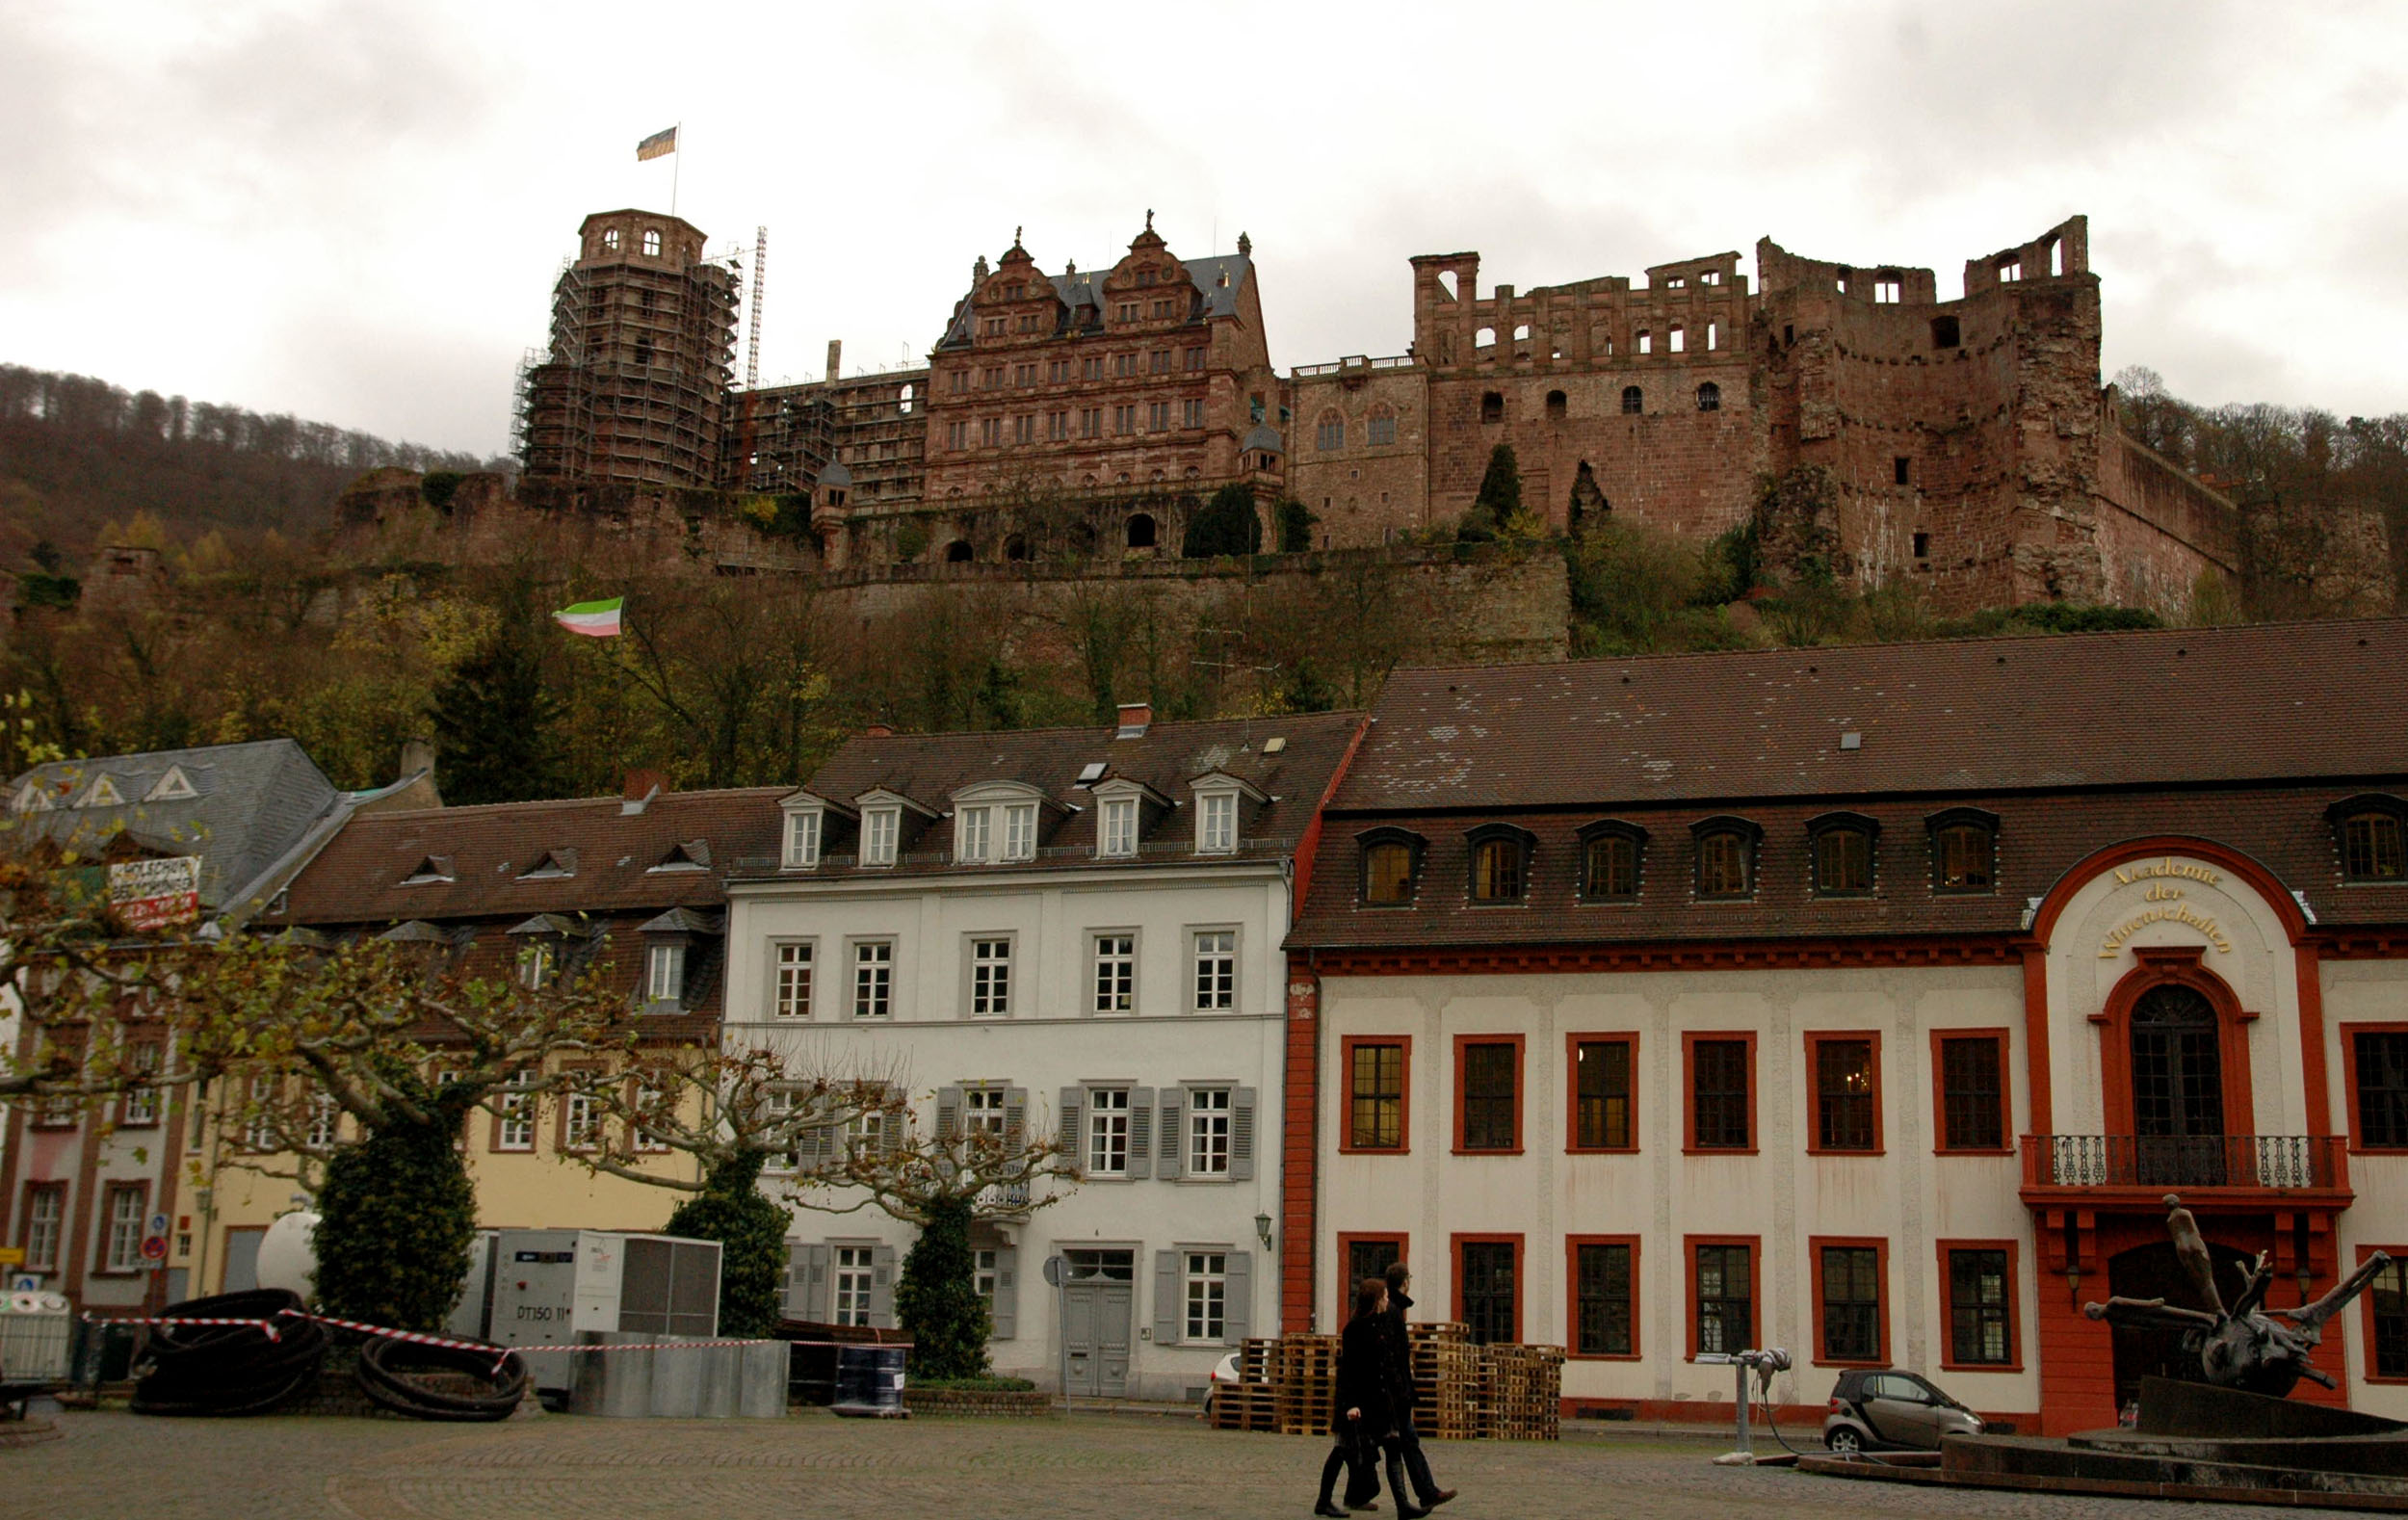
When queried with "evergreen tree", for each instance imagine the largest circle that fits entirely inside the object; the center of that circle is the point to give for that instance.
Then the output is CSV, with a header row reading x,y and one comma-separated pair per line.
x,y
1228,524
492,718
751,1232
1499,502
397,1215
936,1300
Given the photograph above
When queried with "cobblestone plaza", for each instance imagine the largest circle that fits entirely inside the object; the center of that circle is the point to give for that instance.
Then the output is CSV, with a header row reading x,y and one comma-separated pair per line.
x,y
286,1468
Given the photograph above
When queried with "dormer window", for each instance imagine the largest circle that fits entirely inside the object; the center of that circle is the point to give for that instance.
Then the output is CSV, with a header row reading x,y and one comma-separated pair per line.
x,y
1610,863
970,835
996,821
1020,832
1118,834
1844,854
802,838
1216,823
665,974
552,865
1392,861
879,828
1726,858
173,787
537,964
30,798
1964,849
1500,864
693,855
429,870
2371,832
103,792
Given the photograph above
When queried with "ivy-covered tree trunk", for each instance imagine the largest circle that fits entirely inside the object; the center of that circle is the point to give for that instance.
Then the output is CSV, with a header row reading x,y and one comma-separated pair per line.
x,y
937,1300
396,1218
751,1232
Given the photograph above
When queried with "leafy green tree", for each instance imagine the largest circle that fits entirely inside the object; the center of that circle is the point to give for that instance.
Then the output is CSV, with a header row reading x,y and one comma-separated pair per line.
x,y
936,1298
493,716
1228,524
397,1213
1496,507
1296,526
751,1232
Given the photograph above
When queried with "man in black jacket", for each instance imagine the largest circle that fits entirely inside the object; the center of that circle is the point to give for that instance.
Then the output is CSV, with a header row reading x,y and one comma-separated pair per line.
x,y
1398,1374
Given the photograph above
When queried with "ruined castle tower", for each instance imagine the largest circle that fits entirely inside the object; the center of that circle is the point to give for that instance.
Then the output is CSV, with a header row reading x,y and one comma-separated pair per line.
x,y
635,388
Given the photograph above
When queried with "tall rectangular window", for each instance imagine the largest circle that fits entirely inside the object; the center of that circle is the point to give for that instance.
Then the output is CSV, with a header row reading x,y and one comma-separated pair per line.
x,y
1119,833
1845,1102
1024,428
853,1277
1124,420
326,1115
2379,1067
124,1250
45,1211
1216,823
990,432
1020,832
1722,1104
665,975
1602,1095
1723,1289
793,982
880,828
1196,359
873,977
802,838
971,831
1092,367
1091,422
1488,1290
1107,1132
1208,1132
1489,1075
990,978
1158,416
1609,868
1216,970
140,1106
1376,1095
1116,973
515,1126
982,1112
581,1122
2387,1318
1604,1295
1208,1294
1191,412
1159,361
1848,1286
1981,1285
1973,1092
1057,426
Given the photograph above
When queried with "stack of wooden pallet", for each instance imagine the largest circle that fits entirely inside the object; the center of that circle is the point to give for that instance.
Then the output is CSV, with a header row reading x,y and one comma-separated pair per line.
x,y
1523,1392
1446,1381
1307,1383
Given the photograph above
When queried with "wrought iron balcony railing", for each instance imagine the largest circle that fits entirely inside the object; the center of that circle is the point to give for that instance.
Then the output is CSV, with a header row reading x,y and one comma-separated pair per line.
x,y
2182,1161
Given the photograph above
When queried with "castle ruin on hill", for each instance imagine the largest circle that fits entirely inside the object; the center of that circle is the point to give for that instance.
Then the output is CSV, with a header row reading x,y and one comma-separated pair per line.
x,y
1086,416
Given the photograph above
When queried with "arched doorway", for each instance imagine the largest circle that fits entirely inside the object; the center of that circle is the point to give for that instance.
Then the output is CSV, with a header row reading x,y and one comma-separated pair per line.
x,y
2155,1271
2178,1089
1141,531
957,553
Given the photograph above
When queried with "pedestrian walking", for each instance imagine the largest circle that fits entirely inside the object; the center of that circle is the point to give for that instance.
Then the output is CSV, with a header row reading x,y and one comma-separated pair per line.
x,y
1397,1344
1362,1418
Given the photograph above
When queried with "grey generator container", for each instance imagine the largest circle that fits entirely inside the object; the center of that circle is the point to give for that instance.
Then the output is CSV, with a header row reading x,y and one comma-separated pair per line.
x,y
551,1286
744,1381
471,1318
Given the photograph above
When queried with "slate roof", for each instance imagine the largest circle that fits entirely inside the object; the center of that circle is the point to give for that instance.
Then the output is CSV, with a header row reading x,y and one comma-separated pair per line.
x,y
2246,736
251,804
1085,288
928,769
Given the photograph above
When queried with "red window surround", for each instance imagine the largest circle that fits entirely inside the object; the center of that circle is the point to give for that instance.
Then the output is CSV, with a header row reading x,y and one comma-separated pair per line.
x,y
1521,1277
2365,1313
1463,1042
1345,1096
1815,1245
2014,1362
1940,1039
1572,1044
1816,1040
1347,1242
2349,1087
2179,964
1688,1094
1572,1245
1688,1284
100,1266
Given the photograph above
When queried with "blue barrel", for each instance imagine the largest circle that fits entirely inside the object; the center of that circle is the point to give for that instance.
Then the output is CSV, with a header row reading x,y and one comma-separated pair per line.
x,y
870,1380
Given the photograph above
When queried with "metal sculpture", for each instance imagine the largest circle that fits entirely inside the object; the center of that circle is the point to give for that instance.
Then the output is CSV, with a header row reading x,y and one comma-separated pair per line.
x,y
2245,1346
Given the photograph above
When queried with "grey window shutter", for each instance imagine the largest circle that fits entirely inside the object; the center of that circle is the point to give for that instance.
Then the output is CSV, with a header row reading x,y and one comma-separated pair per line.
x,y
1073,1141
795,1276
948,1113
1141,1132
1236,1296
817,1144
891,1127
882,1287
1016,1115
1168,1307
815,1283
1241,1134
1007,1312
1171,1151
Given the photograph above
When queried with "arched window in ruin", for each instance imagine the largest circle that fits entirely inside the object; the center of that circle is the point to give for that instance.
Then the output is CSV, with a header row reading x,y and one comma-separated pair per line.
x,y
1141,531
904,400
1015,547
1485,338
1555,406
1633,400
652,243
1492,406
1709,397
957,553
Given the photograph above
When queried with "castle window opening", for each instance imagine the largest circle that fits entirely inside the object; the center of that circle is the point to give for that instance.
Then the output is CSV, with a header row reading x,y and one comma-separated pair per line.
x,y
1122,478
1128,312
1193,415
1922,546
1899,469
1383,427
1162,310
1146,276
651,243
610,240
1886,289
1196,359
962,380
1633,400
1789,334
1125,419
1676,341
1158,416
1485,338
1646,341
1091,424
1141,531
1492,406
957,435
1446,282
1555,404
1676,283
1710,276
1125,364
957,553
1713,336
1081,535
2056,256
1160,364
904,405
1944,333
991,432
1056,427
1709,397
1093,368
2010,271
1024,428
1522,333
643,351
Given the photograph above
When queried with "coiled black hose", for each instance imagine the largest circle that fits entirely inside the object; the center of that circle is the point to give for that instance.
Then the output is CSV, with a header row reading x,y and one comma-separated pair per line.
x,y
228,1369
389,1371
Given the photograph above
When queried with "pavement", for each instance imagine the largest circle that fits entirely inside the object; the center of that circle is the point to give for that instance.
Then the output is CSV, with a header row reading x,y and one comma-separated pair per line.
x,y
116,1466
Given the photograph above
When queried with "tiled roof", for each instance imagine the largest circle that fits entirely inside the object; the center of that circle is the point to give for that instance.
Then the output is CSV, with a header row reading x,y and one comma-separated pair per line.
x,y
2179,706
928,769
357,879
1087,289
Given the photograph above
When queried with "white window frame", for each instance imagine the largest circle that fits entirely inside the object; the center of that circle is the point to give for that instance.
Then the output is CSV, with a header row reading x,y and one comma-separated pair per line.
x,y
1019,841
665,973
640,1139
1217,821
46,1220
1203,1295
581,1124
803,828
850,1284
794,978
1216,997
1212,1115
517,1114
983,1112
125,1251
864,963
777,1105
866,1132
259,1135
326,1120
881,829
1116,828
984,1262
987,962
1107,1110
973,835
141,1105
1103,961
537,962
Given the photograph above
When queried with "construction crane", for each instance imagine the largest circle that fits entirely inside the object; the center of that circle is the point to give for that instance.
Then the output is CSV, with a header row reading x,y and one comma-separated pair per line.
x,y
760,282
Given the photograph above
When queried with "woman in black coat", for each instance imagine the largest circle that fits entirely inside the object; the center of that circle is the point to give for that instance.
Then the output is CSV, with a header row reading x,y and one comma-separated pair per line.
x,y
1363,1417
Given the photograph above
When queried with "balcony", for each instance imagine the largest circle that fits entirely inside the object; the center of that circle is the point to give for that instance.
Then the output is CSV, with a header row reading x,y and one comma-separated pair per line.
x,y
2114,1168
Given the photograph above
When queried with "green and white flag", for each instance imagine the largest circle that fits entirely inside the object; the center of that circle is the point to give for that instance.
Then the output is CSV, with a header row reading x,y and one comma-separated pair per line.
x,y
593,620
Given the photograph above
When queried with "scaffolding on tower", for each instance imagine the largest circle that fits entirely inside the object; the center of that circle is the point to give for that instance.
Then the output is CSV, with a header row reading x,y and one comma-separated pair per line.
x,y
759,288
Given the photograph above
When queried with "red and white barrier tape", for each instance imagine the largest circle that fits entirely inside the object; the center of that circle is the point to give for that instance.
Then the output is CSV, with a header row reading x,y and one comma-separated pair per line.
x,y
267,1326
419,1338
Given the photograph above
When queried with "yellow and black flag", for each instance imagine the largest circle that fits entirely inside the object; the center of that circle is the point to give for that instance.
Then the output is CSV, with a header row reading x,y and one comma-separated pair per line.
x,y
659,145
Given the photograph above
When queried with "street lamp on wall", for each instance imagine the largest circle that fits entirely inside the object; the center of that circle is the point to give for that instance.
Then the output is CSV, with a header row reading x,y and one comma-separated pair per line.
x,y
1262,1229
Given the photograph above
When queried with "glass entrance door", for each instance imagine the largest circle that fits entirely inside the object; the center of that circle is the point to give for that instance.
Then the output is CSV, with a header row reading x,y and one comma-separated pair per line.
x,y
2178,1089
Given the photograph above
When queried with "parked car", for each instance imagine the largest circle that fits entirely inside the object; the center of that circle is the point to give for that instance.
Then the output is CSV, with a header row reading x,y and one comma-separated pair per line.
x,y
1224,1371
1882,1407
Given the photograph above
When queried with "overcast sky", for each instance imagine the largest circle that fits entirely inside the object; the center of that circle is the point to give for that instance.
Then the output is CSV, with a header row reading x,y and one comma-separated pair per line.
x,y
355,212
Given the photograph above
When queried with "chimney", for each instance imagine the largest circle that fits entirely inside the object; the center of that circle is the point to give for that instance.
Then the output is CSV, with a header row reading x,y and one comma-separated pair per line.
x,y
639,790
416,755
878,731
1135,719
835,358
